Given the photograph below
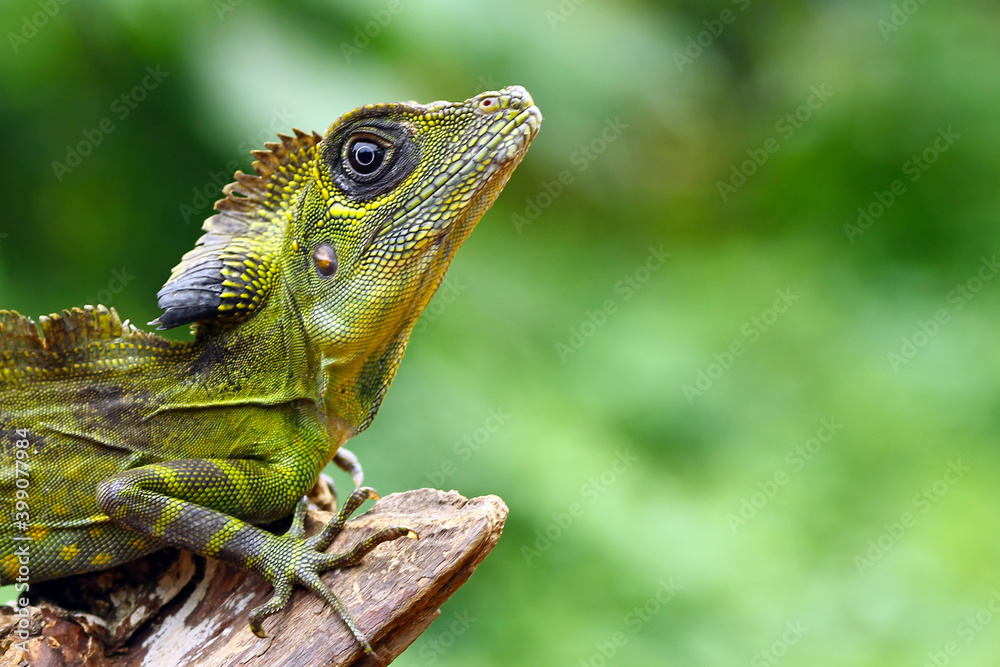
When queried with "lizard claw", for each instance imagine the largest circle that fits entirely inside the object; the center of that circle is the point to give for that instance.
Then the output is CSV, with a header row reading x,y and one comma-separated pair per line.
x,y
347,461
300,560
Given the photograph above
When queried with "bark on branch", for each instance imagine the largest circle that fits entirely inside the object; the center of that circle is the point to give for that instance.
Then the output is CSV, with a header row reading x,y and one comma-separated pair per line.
x,y
175,609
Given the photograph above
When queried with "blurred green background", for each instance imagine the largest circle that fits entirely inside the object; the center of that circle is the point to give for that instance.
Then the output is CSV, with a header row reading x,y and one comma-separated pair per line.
x,y
775,446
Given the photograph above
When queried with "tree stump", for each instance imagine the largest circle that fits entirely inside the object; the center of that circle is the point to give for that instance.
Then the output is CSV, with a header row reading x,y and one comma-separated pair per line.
x,y
174,608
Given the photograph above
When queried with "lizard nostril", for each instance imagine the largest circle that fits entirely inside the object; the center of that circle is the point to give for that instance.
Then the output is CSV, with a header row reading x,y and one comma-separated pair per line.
x,y
519,97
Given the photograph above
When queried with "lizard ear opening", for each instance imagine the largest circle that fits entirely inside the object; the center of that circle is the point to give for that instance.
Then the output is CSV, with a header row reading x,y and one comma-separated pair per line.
x,y
230,271
325,259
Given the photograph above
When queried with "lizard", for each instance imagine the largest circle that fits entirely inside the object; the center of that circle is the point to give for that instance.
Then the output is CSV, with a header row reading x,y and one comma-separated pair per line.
x,y
301,296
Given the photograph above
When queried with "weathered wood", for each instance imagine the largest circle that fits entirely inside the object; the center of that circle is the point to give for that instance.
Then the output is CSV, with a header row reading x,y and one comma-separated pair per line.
x,y
175,609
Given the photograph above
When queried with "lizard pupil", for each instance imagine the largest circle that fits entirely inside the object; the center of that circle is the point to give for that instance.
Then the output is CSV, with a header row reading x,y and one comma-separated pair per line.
x,y
365,156
325,258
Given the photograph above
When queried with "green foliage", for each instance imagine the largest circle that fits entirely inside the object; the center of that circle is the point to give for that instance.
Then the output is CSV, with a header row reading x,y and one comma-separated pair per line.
x,y
780,305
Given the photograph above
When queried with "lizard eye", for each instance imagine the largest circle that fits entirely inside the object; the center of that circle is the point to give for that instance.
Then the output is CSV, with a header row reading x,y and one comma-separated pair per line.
x,y
370,157
325,258
365,156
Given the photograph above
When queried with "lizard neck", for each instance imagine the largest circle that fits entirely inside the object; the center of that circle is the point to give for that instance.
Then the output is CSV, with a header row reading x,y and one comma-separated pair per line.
x,y
265,358
353,386
353,389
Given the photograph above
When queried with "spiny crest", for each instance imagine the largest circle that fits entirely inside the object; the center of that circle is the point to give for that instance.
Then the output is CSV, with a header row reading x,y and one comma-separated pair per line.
x,y
18,333
77,339
229,273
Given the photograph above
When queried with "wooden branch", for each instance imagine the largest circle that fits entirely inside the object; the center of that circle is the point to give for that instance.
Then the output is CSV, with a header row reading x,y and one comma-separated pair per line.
x,y
175,609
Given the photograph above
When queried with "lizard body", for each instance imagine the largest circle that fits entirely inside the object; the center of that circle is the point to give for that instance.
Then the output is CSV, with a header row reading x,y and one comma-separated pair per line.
x,y
302,294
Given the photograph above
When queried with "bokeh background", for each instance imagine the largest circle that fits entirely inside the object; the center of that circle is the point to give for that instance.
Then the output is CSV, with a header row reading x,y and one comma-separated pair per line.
x,y
777,445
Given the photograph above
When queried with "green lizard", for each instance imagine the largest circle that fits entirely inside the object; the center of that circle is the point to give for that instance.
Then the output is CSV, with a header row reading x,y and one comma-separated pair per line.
x,y
302,294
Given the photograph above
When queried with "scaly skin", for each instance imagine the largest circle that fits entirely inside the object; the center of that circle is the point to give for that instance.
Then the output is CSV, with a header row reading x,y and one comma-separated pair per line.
x,y
303,292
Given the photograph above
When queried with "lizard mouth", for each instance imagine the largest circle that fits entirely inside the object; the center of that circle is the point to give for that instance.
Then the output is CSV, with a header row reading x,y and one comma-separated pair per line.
x,y
517,137
492,165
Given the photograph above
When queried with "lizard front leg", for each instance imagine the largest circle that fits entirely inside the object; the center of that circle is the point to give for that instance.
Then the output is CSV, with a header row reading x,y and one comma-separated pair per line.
x,y
194,504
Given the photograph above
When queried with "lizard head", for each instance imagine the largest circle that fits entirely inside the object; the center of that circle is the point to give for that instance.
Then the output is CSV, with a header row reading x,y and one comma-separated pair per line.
x,y
397,189
353,231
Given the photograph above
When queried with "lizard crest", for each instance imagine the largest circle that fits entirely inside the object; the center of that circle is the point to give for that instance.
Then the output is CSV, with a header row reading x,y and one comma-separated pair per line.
x,y
76,341
231,270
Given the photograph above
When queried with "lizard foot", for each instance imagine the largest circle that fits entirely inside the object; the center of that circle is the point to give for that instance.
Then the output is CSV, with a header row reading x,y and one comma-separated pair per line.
x,y
300,560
